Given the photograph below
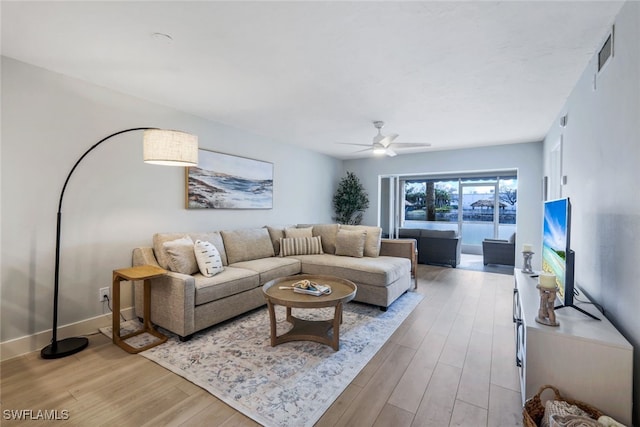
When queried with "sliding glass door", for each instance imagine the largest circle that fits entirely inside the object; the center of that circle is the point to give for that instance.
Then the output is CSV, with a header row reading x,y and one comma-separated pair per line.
x,y
478,216
477,206
488,211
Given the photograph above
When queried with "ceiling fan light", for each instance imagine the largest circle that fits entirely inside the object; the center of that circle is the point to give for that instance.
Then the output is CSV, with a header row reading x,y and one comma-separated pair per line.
x,y
379,148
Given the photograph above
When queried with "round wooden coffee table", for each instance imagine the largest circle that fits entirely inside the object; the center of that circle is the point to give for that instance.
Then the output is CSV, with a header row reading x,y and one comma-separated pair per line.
x,y
342,291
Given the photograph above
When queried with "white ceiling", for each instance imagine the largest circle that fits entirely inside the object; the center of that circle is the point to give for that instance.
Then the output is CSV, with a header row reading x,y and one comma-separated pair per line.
x,y
453,74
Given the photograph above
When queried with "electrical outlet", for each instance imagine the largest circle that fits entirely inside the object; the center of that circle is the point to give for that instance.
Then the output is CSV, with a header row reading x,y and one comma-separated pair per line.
x,y
104,294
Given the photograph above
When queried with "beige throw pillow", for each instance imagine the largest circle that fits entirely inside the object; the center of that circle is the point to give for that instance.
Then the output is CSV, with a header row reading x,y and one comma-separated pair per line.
x,y
350,243
181,258
372,243
300,246
159,239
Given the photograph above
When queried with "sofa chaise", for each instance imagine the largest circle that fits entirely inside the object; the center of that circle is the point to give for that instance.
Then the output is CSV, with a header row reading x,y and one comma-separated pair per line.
x,y
185,300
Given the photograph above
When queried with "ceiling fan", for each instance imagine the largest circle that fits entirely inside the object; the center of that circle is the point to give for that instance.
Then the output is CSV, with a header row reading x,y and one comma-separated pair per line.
x,y
384,144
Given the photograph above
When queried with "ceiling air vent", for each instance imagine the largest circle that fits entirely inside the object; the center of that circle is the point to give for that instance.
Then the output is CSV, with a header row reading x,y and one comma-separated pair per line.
x,y
606,52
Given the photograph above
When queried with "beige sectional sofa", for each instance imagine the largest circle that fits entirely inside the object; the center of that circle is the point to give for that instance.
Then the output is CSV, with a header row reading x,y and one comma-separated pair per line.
x,y
185,301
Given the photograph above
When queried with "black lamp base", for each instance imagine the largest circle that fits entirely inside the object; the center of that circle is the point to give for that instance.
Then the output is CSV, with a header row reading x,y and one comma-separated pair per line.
x,y
64,348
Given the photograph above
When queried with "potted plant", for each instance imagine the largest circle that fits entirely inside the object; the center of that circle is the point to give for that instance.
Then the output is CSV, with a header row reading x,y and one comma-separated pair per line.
x,y
350,200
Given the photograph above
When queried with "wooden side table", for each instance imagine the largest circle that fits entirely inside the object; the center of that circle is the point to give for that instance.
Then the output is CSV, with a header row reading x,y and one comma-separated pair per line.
x,y
142,272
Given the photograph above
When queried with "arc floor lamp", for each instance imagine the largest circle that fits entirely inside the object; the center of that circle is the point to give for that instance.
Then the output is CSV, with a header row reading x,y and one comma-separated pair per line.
x,y
160,146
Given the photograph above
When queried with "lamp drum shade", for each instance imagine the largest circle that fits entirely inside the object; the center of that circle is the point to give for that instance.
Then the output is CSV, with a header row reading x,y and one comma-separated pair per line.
x,y
170,147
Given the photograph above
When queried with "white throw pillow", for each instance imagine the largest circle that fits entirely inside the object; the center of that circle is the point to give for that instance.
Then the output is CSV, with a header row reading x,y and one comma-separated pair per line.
x,y
181,258
208,258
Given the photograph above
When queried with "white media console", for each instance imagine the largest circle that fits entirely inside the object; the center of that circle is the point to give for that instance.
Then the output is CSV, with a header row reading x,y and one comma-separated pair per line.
x,y
586,359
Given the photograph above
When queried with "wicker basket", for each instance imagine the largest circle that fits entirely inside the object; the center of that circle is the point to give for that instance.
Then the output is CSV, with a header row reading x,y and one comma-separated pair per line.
x,y
533,410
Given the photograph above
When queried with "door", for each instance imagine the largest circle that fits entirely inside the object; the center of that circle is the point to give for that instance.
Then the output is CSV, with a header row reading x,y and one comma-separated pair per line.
x,y
478,216
388,213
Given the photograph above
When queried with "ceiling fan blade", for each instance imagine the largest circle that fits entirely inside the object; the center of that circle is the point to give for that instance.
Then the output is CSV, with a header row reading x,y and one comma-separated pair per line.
x,y
401,145
390,153
387,140
362,151
359,145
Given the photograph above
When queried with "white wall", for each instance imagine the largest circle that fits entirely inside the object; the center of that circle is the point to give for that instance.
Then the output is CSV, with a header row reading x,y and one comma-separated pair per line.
x,y
114,201
601,159
525,158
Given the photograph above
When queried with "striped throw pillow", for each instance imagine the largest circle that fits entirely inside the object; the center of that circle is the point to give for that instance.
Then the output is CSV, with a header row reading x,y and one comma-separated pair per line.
x,y
300,246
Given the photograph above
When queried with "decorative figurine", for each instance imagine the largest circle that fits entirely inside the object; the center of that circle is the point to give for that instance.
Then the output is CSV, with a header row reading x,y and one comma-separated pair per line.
x,y
546,313
527,256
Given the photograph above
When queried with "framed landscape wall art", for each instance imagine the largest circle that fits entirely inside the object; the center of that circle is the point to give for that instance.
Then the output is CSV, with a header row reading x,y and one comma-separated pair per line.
x,y
224,181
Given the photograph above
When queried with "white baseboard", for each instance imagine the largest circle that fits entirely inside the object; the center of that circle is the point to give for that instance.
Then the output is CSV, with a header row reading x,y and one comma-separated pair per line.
x,y
27,344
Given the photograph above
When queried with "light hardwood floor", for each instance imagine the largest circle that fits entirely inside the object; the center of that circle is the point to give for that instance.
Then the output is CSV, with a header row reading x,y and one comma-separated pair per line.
x,y
451,363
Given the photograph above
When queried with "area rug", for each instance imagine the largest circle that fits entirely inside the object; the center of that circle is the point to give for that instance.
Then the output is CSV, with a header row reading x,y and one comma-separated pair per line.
x,y
291,384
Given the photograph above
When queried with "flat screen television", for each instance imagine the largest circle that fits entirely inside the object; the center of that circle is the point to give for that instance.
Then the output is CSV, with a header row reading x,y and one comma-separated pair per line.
x,y
557,256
